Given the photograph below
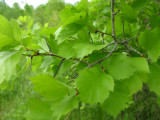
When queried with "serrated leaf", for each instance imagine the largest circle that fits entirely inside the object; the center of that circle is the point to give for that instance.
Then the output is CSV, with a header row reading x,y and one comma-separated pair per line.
x,y
117,100
8,62
94,85
80,47
8,34
65,32
119,67
149,39
49,87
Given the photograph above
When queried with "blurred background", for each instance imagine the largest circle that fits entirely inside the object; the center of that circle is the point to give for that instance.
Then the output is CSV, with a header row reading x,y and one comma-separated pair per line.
x,y
13,102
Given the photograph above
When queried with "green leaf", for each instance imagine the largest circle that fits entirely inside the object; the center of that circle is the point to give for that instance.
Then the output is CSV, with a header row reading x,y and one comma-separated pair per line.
x,y
9,32
65,32
49,87
154,77
117,100
79,47
138,4
65,105
38,110
94,85
134,83
71,26
149,39
119,67
129,13
140,64
8,62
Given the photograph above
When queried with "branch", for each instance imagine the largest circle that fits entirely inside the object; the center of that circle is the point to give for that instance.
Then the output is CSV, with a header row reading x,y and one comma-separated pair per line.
x,y
112,17
124,36
113,35
48,45
59,67
97,31
117,11
124,41
99,61
51,54
135,50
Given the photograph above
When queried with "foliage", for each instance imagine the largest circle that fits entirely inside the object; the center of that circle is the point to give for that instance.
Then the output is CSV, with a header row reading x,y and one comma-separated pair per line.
x,y
100,54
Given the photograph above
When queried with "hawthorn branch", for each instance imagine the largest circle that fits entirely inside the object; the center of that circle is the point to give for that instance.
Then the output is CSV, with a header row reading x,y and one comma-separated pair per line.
x,y
135,50
48,45
51,54
59,67
112,18
124,41
113,35
99,61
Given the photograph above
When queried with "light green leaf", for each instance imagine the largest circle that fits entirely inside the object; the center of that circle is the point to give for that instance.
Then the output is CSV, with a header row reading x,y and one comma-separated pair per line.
x,y
8,62
94,85
119,67
134,83
65,105
8,34
140,64
150,40
49,87
38,110
65,32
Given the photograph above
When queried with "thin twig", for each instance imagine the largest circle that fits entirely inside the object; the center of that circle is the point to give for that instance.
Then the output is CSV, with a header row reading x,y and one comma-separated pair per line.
x,y
124,36
102,66
59,67
91,37
68,116
135,50
99,61
48,45
102,38
113,35
124,41
117,12
112,17
51,54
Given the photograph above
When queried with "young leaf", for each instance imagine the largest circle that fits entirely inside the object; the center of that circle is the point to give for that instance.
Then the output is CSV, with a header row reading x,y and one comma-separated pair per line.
x,y
119,67
64,105
149,39
49,87
8,62
94,85
9,32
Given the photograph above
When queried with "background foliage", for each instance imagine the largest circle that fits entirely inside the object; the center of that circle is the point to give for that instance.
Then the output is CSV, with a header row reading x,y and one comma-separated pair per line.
x,y
68,37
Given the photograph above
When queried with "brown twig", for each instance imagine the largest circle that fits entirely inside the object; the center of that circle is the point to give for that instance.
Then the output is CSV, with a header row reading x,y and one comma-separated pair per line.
x,y
51,54
99,61
59,67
